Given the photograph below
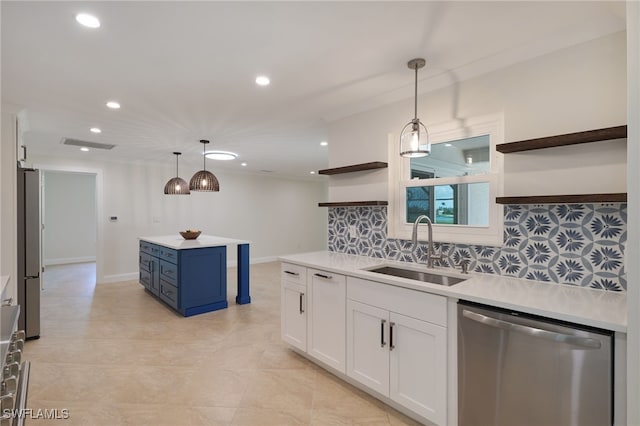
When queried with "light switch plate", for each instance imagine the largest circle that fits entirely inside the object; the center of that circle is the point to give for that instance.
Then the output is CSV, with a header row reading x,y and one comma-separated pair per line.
x,y
353,231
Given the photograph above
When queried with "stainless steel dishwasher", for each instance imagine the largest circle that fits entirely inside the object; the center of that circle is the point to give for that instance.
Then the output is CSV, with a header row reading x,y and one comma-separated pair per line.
x,y
516,369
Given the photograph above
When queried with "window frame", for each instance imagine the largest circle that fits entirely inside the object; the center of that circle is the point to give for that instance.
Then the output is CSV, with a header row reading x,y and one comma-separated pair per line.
x,y
399,179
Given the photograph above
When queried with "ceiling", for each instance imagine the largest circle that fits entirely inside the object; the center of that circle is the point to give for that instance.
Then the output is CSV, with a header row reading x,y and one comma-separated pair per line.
x,y
185,71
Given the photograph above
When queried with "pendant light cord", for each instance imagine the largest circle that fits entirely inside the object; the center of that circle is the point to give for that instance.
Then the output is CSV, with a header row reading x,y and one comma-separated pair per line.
x,y
177,174
415,97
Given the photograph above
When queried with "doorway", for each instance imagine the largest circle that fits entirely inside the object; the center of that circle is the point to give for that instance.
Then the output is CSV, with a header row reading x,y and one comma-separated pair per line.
x,y
69,217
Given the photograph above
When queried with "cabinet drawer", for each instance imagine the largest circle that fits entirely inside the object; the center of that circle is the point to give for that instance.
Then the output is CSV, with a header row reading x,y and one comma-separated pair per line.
x,y
412,303
169,293
294,273
145,279
169,255
146,262
169,272
149,248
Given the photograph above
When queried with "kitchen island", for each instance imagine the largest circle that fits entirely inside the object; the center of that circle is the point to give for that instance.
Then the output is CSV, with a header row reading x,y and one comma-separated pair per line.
x,y
191,275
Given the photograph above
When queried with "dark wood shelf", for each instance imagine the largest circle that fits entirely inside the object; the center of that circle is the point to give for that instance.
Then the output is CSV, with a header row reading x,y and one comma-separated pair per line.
x,y
354,204
354,168
609,133
620,197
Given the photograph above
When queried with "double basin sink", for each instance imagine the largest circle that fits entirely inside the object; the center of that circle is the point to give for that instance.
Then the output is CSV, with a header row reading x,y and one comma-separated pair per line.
x,y
426,277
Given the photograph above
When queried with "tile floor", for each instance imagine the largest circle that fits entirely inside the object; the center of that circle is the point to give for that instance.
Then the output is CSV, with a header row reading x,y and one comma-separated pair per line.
x,y
113,355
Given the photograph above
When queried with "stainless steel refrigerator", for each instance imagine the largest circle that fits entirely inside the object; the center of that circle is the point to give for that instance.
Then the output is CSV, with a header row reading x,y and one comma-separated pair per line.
x,y
29,269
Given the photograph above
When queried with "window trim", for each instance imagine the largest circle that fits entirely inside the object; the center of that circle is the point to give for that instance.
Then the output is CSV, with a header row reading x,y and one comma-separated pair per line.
x,y
399,167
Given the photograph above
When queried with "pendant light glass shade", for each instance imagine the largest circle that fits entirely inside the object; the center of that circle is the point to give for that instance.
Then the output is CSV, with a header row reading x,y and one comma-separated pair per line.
x,y
414,138
177,185
204,180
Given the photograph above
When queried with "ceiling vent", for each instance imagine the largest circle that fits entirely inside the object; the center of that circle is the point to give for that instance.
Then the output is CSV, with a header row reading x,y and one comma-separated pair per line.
x,y
78,142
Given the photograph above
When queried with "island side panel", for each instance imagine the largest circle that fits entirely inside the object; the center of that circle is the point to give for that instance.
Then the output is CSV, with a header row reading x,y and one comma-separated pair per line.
x,y
203,280
243,296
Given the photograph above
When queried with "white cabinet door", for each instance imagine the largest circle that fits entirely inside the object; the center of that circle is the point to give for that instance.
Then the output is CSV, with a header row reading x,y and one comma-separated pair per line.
x,y
293,315
326,321
419,366
368,346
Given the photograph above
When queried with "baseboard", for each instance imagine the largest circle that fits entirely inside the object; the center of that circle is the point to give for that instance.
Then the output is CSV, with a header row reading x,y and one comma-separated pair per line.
x,y
69,260
116,278
234,263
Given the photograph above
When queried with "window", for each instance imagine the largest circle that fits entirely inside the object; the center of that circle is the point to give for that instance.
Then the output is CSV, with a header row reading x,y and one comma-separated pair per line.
x,y
455,185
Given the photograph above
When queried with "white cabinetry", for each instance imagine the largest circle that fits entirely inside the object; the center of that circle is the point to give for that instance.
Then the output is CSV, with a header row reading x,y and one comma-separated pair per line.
x,y
396,345
293,315
326,321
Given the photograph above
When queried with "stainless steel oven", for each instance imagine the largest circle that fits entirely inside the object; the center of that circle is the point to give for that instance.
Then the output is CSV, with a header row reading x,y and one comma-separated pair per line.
x,y
15,371
516,369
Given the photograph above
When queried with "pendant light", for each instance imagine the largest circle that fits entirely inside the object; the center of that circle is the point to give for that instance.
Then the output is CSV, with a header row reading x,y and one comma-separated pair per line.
x,y
204,180
414,138
177,185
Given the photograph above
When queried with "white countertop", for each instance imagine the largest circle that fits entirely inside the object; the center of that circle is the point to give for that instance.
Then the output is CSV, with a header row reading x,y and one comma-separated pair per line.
x,y
596,308
179,243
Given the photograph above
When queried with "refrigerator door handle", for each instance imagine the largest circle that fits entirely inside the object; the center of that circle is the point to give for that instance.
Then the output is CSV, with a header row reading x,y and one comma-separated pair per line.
x,y
583,342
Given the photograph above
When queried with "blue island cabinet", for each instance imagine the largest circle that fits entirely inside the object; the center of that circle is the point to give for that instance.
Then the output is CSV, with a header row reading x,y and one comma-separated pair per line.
x,y
191,281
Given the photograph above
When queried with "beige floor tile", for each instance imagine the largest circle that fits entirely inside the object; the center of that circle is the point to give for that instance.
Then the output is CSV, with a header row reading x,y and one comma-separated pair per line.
x,y
113,355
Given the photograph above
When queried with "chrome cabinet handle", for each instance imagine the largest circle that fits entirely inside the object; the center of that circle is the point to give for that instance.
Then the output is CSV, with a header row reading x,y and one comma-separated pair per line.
x,y
326,277
382,342
301,308
584,342
295,274
391,345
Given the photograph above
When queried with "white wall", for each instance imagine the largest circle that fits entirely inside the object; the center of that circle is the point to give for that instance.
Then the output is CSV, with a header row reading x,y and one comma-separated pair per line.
x,y
69,217
278,215
8,224
574,89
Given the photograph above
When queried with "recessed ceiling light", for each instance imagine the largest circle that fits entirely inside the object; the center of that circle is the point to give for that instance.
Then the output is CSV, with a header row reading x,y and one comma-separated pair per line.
x,y
244,164
87,20
324,143
84,148
312,172
447,144
262,80
113,105
221,155
95,130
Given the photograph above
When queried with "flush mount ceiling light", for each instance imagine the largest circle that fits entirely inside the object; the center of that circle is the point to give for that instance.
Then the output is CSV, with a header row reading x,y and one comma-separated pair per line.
x,y
95,130
221,155
87,20
262,80
324,143
204,180
414,138
177,185
113,105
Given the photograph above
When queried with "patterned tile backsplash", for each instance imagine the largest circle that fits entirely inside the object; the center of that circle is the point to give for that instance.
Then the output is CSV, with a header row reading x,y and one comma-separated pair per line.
x,y
577,244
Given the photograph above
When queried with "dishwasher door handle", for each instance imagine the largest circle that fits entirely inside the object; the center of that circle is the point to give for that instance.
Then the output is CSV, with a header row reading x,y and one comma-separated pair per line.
x,y
583,342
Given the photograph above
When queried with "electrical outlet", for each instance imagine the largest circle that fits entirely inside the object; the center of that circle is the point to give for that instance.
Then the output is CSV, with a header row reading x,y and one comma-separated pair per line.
x,y
353,231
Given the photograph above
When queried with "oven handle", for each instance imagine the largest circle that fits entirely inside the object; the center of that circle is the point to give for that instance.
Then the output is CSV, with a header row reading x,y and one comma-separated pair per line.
x,y
583,342
21,392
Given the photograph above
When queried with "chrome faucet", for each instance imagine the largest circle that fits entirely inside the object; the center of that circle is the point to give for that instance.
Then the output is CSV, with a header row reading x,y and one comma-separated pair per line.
x,y
414,239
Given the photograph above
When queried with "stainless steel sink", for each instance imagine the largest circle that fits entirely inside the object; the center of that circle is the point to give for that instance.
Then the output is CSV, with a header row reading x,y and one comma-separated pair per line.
x,y
418,275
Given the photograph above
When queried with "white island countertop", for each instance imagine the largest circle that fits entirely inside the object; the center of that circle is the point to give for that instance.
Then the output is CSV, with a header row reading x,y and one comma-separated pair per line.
x,y
179,243
596,308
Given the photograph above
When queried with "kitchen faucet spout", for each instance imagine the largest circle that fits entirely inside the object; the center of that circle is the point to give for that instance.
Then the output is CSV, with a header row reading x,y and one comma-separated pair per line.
x,y
414,239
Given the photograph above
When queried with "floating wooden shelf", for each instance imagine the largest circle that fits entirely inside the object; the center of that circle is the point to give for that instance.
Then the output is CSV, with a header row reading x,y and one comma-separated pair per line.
x,y
354,204
620,197
597,135
354,168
